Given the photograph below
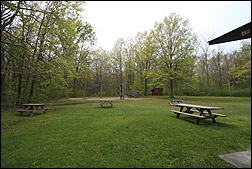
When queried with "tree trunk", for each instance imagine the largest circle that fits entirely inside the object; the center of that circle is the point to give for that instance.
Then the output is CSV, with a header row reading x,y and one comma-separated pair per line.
x,y
219,71
36,61
2,81
74,83
19,90
32,89
84,92
207,75
101,91
25,89
4,75
171,88
229,90
208,85
145,86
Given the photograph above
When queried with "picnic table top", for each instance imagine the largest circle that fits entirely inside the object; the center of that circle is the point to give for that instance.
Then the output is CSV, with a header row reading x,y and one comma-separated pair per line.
x,y
197,106
33,104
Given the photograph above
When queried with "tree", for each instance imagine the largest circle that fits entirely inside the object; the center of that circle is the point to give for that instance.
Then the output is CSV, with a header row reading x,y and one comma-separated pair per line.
x,y
9,10
85,37
130,65
145,56
216,65
101,67
118,59
205,56
175,46
42,49
241,71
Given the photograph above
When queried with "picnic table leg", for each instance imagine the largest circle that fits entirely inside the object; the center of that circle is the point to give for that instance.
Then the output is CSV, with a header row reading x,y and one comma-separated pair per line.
x,y
181,108
32,113
201,114
42,107
211,116
197,121
188,110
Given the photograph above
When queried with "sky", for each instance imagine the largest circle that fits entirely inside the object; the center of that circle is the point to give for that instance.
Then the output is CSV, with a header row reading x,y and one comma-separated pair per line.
x,y
124,19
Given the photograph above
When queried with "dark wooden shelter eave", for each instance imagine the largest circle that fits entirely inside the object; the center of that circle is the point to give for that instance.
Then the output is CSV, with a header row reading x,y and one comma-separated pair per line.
x,y
240,33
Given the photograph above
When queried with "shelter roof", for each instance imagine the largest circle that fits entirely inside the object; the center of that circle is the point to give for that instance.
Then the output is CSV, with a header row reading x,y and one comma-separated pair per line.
x,y
240,33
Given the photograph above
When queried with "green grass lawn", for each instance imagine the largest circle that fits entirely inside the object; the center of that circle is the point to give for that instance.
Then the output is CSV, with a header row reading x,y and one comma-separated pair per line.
x,y
131,134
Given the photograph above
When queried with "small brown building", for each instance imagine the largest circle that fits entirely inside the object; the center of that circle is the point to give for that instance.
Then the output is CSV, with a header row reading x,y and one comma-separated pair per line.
x,y
157,92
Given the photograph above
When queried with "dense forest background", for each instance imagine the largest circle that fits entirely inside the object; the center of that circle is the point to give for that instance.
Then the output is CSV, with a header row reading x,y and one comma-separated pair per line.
x,y
47,52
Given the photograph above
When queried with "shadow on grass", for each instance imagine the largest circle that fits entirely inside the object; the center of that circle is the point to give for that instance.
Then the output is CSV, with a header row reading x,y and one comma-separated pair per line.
x,y
205,122
28,114
106,107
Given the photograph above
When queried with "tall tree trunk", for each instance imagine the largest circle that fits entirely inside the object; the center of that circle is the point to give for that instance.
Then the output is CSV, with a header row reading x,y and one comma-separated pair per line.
x,y
219,71
74,84
2,81
32,89
229,90
145,86
208,86
84,90
207,75
4,75
19,90
25,89
171,88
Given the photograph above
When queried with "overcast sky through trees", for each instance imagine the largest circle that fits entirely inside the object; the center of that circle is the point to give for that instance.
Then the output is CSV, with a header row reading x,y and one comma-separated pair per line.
x,y
123,19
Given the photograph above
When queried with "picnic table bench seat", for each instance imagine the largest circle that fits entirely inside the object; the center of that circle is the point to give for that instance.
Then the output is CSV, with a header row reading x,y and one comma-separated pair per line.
x,y
221,115
196,111
32,111
189,114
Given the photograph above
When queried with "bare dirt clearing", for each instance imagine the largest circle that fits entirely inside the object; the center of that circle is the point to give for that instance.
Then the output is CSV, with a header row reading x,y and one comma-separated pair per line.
x,y
106,98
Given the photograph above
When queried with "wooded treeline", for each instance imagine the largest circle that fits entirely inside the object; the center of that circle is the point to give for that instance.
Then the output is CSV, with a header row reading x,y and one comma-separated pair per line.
x,y
47,53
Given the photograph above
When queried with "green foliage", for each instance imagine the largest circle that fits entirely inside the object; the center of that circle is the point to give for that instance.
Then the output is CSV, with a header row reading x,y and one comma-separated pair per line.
x,y
45,48
175,45
46,53
241,72
242,92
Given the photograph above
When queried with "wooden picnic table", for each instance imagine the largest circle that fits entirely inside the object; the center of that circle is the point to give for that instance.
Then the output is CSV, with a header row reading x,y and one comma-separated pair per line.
x,y
204,112
106,102
33,108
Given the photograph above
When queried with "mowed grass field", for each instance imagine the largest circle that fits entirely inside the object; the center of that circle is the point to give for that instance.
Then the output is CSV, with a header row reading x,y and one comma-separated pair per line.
x,y
131,134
